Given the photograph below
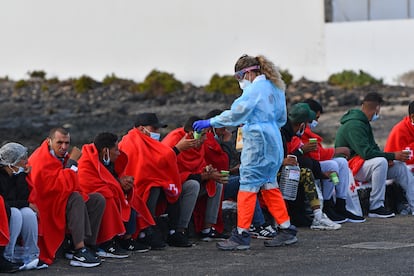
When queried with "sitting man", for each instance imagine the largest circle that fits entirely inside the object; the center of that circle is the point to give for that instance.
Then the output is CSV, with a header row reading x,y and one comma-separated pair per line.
x,y
101,170
192,167
331,159
62,206
5,265
368,162
401,136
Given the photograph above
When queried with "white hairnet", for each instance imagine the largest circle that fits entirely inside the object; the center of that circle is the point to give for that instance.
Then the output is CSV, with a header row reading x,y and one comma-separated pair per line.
x,y
12,153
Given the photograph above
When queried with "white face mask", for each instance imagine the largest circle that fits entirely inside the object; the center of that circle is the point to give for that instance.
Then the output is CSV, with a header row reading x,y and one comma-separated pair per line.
x,y
244,83
106,158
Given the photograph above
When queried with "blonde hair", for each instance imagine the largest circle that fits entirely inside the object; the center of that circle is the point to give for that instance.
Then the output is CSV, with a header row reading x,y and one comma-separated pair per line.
x,y
266,67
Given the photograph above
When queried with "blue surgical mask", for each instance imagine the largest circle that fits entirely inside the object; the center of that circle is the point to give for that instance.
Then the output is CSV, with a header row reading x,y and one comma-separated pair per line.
x,y
106,159
244,83
299,133
19,170
375,117
215,135
313,124
155,136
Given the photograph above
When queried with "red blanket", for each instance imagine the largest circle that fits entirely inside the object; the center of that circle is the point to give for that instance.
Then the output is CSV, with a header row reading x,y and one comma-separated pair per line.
x,y
355,163
51,187
95,178
401,136
321,154
152,164
4,224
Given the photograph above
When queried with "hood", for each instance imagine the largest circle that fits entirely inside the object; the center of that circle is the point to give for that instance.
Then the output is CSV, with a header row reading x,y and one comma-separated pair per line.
x,y
354,114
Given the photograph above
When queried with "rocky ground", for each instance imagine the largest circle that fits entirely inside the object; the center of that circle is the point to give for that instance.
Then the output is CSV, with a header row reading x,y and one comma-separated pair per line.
x,y
27,114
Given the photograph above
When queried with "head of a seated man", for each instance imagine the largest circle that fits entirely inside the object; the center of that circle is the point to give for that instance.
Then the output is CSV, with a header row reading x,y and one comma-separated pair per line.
x,y
59,141
371,105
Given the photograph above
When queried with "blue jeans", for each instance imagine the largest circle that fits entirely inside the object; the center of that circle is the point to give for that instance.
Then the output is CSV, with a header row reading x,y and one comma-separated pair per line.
x,y
131,224
230,192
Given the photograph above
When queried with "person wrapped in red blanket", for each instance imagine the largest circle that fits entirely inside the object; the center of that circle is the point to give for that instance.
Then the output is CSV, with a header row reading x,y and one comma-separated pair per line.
x,y
154,168
5,265
193,167
101,170
62,206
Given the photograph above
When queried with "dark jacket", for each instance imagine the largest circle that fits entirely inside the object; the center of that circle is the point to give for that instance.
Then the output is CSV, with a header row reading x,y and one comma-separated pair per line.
x,y
14,189
356,133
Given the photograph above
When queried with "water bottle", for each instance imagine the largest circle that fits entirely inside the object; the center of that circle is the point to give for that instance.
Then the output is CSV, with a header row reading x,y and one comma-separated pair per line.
x,y
289,181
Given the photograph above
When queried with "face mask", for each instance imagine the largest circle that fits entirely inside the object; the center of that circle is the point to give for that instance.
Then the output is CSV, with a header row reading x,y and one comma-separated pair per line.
x,y
244,83
375,117
215,135
19,170
155,136
106,159
313,124
299,133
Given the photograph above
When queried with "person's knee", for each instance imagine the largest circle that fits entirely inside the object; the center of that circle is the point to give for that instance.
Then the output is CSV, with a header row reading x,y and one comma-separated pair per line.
x,y
191,187
381,163
27,212
98,200
15,214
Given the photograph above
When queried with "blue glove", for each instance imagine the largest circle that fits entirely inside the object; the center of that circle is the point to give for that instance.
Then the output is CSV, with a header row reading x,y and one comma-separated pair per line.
x,y
201,124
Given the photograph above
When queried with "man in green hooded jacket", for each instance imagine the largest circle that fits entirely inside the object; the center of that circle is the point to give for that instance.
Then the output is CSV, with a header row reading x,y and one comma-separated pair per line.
x,y
368,162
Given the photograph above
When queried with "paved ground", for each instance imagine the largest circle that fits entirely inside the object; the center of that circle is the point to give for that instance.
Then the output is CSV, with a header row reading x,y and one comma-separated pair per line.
x,y
376,247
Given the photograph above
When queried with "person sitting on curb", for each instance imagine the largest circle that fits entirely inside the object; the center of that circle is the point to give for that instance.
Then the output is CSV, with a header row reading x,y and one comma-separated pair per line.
x,y
23,220
101,170
368,162
61,204
331,159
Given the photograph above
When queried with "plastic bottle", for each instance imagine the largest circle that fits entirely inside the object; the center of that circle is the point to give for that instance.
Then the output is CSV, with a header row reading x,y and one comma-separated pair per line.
x,y
289,181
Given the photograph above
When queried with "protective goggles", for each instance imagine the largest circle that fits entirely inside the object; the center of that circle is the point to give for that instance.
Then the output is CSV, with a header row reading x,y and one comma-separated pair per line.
x,y
239,75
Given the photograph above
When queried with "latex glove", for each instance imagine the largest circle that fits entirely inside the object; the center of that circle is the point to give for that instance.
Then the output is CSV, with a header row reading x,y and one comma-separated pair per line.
x,y
201,124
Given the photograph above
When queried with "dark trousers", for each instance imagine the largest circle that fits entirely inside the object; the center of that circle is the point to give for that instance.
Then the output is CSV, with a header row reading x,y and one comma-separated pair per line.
x,y
83,219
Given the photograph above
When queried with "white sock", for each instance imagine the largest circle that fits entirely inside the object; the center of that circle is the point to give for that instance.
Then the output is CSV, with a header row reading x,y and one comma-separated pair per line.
x,y
241,230
172,231
205,230
285,225
317,213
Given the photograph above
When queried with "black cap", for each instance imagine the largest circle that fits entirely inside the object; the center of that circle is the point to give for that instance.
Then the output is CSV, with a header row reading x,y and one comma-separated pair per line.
x,y
148,119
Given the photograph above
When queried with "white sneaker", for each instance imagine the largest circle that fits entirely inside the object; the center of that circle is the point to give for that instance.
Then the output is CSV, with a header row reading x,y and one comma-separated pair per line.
x,y
324,223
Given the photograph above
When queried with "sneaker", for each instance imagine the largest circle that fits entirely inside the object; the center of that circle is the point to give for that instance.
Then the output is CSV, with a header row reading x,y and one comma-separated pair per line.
x,y
354,218
85,258
380,212
334,216
324,223
179,239
41,265
133,245
6,266
30,265
403,209
213,235
284,237
111,249
235,242
153,238
262,232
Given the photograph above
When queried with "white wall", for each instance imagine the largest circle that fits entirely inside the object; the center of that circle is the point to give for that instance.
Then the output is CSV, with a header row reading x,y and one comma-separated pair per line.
x,y
192,39
384,49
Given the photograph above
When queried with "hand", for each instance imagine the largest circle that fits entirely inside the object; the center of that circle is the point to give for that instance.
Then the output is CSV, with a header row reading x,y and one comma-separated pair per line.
x,y
308,147
290,161
201,124
402,156
186,143
127,182
34,208
75,154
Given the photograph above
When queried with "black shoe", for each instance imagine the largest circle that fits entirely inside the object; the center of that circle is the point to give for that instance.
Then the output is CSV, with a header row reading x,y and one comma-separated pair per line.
x,y
340,208
329,210
213,235
111,249
153,238
354,218
6,266
380,212
179,239
133,245
85,258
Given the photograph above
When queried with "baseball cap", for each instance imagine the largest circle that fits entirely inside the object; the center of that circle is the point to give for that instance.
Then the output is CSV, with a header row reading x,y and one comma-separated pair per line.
x,y
301,113
149,119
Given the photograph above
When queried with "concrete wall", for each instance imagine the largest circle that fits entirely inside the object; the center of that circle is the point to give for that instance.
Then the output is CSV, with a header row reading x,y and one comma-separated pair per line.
x,y
192,39
381,48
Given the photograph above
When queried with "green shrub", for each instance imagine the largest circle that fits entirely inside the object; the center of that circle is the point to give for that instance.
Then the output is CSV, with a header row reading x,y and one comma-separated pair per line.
x,y
110,79
349,79
286,76
53,80
159,83
37,74
225,84
20,84
84,83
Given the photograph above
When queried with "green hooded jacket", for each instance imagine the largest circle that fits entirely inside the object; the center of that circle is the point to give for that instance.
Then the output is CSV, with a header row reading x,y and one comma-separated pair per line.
x,y
356,133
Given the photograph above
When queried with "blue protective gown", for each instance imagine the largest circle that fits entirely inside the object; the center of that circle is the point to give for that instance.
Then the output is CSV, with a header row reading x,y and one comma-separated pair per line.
x,y
262,110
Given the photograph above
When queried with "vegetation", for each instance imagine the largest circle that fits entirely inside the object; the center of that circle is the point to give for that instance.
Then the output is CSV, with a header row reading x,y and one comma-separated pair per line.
x,y
20,84
84,83
225,84
349,79
37,74
286,77
159,83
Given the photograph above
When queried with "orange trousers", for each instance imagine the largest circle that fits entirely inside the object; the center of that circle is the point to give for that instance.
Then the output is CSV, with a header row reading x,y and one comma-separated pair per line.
x,y
246,202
